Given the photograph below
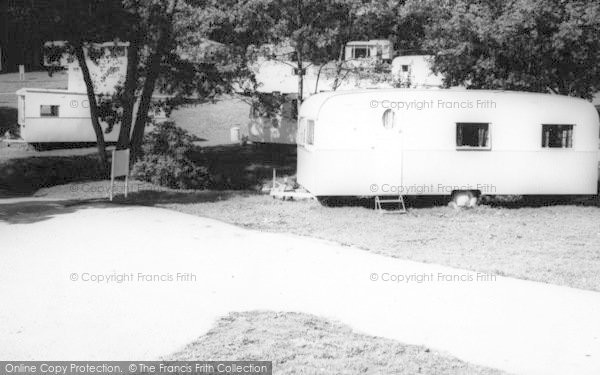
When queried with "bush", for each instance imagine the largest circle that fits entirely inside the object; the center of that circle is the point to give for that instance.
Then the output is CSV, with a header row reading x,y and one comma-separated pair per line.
x,y
166,159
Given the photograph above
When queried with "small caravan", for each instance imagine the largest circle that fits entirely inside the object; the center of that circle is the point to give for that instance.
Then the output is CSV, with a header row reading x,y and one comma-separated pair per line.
x,y
61,116
57,116
436,142
48,116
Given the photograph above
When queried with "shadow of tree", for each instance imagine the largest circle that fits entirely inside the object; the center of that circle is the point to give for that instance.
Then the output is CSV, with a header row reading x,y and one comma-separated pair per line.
x,y
429,201
239,167
33,210
8,121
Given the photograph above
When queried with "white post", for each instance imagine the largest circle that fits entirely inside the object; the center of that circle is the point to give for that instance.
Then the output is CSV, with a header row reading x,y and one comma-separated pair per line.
x,y
21,72
126,185
119,168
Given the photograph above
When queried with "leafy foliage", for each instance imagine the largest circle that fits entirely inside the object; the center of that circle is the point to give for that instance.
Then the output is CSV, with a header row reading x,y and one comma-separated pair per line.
x,y
166,159
541,46
300,33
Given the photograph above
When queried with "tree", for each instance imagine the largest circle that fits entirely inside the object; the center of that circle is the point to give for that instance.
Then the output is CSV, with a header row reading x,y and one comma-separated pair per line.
x,y
168,54
81,24
541,46
310,28
303,32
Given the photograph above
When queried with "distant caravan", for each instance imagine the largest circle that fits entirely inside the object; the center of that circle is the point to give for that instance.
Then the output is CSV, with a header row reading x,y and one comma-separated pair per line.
x,y
438,142
47,116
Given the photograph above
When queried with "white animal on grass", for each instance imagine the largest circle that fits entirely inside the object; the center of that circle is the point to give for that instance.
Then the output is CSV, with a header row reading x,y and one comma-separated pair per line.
x,y
463,199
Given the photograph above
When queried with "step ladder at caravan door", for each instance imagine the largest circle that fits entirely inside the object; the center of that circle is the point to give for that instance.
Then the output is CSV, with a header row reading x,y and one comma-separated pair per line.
x,y
379,202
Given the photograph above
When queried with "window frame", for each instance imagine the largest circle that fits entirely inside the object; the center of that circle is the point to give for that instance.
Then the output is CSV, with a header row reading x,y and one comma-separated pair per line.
x,y
488,142
51,113
388,118
310,132
367,52
301,135
569,140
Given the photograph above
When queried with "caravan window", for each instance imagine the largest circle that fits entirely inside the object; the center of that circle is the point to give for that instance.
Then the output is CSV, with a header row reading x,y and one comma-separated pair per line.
x,y
49,110
301,132
557,136
360,52
388,119
473,135
310,132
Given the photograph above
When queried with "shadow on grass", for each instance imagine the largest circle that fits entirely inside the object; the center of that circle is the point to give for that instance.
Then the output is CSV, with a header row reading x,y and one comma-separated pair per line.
x,y
231,167
235,169
429,201
24,176
8,121
33,210
241,167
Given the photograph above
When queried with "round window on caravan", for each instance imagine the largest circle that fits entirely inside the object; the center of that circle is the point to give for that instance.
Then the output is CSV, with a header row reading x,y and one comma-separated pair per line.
x,y
388,119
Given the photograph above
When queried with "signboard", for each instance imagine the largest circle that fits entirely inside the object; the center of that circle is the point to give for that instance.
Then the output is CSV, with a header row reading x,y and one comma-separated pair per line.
x,y
119,168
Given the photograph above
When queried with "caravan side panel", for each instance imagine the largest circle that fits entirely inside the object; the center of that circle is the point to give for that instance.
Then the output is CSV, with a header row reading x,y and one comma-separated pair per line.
x,y
420,155
55,116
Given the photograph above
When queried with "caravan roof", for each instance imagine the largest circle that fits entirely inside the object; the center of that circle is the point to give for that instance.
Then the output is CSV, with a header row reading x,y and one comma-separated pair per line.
x,y
312,107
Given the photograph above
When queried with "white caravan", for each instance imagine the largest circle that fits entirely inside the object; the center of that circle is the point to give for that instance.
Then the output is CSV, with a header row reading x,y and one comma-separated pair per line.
x,y
57,116
63,116
277,78
435,142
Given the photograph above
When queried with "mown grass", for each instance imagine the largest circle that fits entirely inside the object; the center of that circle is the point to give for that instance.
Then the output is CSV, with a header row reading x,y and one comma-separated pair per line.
x,y
305,344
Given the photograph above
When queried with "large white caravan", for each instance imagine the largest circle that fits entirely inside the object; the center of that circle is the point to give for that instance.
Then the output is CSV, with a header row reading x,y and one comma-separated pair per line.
x,y
435,142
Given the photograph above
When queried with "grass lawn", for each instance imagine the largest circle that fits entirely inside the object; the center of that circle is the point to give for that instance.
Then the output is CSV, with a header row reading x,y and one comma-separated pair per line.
x,y
305,344
10,83
212,122
555,244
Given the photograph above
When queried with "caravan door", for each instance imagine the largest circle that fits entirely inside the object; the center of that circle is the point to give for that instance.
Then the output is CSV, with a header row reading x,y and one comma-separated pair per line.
x,y
388,154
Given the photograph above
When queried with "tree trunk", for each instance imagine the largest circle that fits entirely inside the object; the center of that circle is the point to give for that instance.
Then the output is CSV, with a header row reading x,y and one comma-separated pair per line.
x,y
299,49
142,112
338,68
91,95
152,74
300,79
128,99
